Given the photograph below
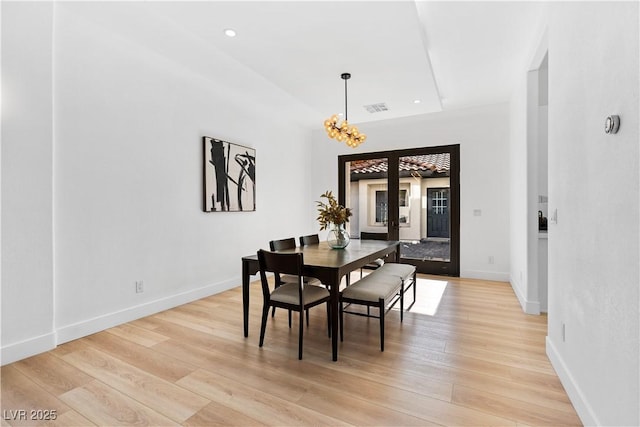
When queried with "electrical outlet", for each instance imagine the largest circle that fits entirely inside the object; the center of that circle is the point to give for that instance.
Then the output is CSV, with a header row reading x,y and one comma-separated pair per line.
x,y
564,336
491,260
139,286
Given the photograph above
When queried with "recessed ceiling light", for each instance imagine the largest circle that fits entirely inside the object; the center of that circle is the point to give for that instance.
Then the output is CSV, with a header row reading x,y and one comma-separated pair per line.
x,y
229,32
416,101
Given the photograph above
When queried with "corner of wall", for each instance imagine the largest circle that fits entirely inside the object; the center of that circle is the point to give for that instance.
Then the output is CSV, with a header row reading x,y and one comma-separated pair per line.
x,y
529,307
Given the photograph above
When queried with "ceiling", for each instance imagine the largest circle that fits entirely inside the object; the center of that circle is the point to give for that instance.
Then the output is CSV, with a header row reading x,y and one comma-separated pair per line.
x,y
446,54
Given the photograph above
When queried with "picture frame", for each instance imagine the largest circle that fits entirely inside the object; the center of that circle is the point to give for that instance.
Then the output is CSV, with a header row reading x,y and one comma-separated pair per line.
x,y
229,176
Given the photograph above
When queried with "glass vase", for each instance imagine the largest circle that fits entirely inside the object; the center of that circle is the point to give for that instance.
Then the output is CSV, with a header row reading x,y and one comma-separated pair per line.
x,y
338,237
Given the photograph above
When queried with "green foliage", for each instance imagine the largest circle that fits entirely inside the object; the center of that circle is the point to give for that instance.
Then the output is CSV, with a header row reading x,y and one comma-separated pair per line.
x,y
331,212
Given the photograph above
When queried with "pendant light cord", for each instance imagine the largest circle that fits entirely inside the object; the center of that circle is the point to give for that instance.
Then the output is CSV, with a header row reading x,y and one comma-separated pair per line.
x,y
345,100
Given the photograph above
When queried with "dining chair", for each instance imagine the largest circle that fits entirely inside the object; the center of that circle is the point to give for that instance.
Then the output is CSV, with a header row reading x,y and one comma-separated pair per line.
x,y
377,263
280,245
311,239
283,244
297,296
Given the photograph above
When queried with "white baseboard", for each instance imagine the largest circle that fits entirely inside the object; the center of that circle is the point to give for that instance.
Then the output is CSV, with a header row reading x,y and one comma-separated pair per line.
x,y
582,407
21,350
485,275
100,323
529,307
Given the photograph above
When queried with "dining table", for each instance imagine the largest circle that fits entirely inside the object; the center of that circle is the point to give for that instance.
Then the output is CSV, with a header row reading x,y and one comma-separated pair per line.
x,y
327,265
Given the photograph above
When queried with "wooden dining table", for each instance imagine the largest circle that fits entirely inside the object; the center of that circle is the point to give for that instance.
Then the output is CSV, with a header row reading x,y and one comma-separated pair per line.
x,y
327,265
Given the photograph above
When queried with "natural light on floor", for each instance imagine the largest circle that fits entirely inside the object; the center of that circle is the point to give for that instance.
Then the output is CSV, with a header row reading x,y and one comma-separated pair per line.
x,y
430,293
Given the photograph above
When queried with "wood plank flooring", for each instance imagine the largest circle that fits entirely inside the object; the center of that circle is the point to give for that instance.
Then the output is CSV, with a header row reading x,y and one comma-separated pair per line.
x,y
464,355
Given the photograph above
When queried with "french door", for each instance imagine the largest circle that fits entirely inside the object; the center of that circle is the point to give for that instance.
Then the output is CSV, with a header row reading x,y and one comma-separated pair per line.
x,y
410,195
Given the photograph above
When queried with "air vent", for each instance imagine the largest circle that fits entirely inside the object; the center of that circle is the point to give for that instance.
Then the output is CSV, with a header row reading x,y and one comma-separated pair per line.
x,y
377,108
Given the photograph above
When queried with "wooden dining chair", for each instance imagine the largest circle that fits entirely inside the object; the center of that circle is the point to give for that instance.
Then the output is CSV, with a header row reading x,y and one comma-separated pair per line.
x,y
297,296
280,245
377,263
311,239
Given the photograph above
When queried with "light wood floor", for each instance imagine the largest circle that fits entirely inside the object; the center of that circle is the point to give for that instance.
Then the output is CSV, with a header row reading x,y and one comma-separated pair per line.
x,y
478,361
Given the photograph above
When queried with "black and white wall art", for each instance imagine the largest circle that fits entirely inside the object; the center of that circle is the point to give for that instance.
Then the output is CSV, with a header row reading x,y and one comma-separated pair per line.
x,y
229,176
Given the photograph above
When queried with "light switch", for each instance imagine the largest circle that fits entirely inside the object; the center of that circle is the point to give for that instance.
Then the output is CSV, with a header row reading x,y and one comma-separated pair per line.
x,y
477,212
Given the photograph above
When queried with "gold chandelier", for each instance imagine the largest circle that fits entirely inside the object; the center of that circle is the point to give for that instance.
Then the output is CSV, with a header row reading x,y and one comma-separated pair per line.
x,y
344,131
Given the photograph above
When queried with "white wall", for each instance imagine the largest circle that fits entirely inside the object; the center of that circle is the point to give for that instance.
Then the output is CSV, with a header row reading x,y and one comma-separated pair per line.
x,y
526,125
483,135
518,204
593,181
129,113
27,167
593,249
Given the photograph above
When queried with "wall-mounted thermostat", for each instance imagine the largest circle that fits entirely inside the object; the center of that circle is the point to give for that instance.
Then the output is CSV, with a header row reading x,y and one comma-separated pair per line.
x,y
612,124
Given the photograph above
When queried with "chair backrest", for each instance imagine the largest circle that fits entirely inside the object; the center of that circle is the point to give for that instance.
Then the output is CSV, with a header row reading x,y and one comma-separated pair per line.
x,y
373,236
279,263
278,245
311,239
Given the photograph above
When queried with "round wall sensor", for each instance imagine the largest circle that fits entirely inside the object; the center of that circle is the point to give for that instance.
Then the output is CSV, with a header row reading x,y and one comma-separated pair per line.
x,y
612,124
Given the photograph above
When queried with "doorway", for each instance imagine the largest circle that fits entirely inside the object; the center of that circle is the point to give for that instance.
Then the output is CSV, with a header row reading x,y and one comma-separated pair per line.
x,y
410,195
438,213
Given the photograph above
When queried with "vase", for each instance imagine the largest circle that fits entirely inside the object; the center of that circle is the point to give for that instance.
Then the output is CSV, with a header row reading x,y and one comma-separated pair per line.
x,y
338,237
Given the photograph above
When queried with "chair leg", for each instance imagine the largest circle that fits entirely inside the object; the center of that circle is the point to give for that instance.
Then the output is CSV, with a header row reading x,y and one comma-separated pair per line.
x,y
263,326
300,336
414,286
289,319
273,311
381,302
307,311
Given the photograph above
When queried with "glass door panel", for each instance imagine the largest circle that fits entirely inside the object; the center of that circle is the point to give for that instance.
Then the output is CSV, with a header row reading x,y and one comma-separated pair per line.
x,y
425,233
366,193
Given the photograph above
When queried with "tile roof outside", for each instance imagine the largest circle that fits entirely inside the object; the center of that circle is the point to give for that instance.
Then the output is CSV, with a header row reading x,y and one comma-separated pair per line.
x,y
439,162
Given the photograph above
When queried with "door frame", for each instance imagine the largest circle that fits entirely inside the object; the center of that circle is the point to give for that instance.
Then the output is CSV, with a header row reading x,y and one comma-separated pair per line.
x,y
451,268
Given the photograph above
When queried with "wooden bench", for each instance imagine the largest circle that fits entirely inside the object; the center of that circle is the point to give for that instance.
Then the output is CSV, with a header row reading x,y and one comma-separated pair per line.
x,y
382,288
406,272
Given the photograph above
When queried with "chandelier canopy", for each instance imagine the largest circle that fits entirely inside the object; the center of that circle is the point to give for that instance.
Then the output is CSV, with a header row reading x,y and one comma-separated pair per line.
x,y
344,131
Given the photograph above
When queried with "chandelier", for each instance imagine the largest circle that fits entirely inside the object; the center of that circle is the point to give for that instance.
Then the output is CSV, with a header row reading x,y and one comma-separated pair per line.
x,y
344,131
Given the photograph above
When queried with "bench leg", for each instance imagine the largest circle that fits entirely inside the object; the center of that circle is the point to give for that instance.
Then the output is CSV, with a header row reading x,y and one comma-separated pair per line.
x,y
401,301
381,308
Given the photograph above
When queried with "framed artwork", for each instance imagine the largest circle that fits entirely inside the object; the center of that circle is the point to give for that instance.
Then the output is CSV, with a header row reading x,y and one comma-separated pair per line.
x,y
229,176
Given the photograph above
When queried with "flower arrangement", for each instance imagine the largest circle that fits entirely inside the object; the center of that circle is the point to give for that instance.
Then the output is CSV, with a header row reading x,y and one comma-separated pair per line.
x,y
331,212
